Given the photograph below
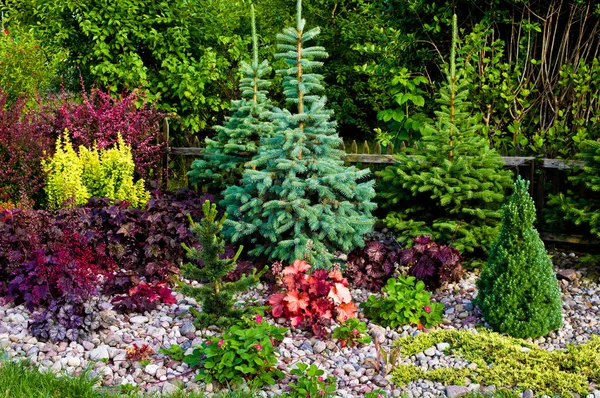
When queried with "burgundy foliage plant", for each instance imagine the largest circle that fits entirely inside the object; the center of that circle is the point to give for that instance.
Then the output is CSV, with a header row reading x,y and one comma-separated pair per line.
x,y
372,265
431,263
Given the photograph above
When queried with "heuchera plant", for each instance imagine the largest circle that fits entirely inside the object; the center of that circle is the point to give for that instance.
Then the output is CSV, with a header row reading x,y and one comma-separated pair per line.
x,y
403,302
310,382
145,297
372,265
312,300
431,263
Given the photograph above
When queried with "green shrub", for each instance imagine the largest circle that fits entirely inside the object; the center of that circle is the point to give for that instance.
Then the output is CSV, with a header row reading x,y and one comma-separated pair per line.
x,y
351,333
107,173
452,186
244,353
518,290
403,302
216,296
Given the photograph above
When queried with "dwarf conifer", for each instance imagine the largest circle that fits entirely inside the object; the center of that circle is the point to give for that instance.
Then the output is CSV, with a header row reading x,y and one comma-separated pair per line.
x,y
297,199
237,141
518,291
583,210
451,187
215,296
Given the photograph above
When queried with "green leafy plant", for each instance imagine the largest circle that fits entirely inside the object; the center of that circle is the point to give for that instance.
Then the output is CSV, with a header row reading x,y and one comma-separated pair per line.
x,y
297,199
351,332
403,302
245,352
375,394
174,352
107,173
386,360
518,289
216,296
310,382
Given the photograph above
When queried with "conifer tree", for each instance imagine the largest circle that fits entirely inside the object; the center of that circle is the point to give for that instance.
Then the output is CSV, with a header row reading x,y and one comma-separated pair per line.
x,y
297,199
518,290
237,141
579,210
452,186
216,296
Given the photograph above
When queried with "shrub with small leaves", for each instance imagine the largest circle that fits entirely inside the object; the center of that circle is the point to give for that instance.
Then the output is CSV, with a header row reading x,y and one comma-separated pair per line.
x,y
372,265
310,382
431,263
404,302
244,353
312,300
351,333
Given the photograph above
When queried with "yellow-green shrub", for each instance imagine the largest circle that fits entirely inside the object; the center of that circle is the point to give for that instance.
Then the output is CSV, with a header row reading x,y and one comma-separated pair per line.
x,y
92,173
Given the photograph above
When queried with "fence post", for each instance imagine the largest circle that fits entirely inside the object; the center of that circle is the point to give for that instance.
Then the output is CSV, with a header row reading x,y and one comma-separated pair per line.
x,y
165,157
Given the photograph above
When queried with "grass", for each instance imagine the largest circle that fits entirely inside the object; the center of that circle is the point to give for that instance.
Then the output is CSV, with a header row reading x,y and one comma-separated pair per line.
x,y
21,379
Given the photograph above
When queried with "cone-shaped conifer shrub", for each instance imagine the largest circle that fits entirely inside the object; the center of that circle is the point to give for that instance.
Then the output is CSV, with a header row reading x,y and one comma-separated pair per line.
x,y
518,290
215,296
237,141
451,188
297,199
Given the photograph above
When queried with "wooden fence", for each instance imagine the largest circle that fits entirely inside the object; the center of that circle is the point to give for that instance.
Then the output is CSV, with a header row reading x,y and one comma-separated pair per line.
x,y
548,171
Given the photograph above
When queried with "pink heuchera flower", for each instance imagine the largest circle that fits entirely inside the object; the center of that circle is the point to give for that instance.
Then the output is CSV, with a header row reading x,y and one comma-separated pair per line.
x,y
220,343
258,347
427,309
379,396
208,342
258,319
322,393
321,378
355,332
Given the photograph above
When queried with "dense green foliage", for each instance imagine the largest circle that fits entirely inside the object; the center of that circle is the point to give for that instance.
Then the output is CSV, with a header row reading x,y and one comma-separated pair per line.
x,y
403,302
237,141
452,186
582,210
506,362
216,296
296,199
518,290
243,354
107,173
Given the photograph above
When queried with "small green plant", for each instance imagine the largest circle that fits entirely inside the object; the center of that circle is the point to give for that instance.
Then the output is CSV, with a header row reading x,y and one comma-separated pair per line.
x,y
375,394
245,352
311,382
174,352
403,302
386,360
215,296
351,332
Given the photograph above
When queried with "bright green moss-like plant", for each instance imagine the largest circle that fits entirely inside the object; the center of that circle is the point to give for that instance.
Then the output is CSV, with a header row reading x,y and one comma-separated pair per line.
x,y
518,290
404,302
107,173
506,362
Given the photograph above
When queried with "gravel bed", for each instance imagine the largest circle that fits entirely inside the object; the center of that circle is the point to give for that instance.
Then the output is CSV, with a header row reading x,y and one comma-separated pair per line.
x,y
105,349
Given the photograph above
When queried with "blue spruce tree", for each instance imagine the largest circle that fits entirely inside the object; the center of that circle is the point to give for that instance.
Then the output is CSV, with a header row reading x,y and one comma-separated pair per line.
x,y
237,141
297,199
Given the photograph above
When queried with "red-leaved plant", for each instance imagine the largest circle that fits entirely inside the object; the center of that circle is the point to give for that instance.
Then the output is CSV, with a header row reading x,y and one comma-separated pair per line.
x,y
431,263
312,300
145,297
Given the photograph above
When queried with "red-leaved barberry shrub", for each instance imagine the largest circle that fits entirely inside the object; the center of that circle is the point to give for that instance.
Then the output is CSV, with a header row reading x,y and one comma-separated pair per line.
x,y
431,263
25,139
312,300
100,118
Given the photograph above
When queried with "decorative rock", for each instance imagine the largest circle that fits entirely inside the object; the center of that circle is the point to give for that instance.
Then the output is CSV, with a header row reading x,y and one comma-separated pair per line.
x,y
138,319
151,369
442,346
319,346
73,361
430,351
99,353
456,391
567,274
188,327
